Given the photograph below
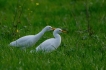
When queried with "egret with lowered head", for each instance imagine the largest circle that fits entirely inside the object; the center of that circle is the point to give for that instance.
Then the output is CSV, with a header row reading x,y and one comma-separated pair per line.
x,y
30,40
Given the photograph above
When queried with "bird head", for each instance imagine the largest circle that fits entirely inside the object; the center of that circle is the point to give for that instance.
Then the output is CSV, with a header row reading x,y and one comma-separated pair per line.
x,y
58,30
49,28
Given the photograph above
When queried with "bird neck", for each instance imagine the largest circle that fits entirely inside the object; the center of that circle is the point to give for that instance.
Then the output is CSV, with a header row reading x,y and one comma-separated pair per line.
x,y
57,36
41,32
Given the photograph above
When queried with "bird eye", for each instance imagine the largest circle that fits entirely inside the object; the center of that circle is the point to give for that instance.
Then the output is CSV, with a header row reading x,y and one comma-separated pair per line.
x,y
59,30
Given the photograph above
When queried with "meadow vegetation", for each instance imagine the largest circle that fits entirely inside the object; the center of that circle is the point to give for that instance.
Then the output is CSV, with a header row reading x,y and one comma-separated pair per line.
x,y
83,47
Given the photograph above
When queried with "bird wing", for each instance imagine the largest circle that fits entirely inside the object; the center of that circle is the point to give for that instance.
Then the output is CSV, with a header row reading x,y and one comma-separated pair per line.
x,y
21,41
25,38
47,45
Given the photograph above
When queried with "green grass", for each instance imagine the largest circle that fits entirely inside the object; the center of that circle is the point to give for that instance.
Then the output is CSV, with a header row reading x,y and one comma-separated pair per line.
x,y
78,49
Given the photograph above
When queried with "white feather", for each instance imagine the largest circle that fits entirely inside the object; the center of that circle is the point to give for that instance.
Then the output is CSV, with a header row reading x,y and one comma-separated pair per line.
x,y
52,43
29,40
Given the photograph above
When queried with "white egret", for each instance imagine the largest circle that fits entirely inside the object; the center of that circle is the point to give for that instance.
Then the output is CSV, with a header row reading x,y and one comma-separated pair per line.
x,y
30,40
52,43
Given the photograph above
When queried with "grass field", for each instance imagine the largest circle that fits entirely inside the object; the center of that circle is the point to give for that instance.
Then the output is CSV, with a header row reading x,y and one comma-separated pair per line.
x,y
83,47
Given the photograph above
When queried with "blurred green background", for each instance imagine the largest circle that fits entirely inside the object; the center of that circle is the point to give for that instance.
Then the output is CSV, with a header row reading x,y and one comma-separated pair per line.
x,y
83,47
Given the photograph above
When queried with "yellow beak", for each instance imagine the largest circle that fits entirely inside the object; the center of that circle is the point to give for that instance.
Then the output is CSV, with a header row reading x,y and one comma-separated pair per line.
x,y
53,28
64,31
